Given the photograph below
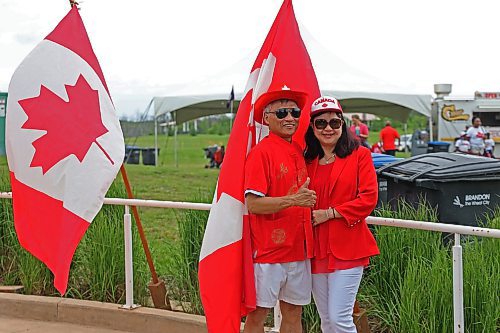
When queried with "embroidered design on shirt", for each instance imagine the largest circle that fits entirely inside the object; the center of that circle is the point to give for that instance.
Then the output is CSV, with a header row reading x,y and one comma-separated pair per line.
x,y
283,171
278,236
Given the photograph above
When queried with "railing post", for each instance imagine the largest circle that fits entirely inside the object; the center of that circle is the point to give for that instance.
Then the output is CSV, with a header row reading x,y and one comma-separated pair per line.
x,y
277,318
129,269
458,287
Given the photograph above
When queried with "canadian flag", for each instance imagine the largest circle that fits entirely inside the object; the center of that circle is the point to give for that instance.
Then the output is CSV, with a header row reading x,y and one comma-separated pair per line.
x,y
226,268
64,145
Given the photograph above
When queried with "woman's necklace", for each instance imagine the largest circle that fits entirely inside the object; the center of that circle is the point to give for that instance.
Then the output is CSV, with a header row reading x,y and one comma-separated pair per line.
x,y
329,159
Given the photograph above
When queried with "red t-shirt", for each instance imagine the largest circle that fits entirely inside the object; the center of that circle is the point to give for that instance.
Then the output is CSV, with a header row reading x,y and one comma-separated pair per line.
x,y
387,135
363,129
275,168
324,261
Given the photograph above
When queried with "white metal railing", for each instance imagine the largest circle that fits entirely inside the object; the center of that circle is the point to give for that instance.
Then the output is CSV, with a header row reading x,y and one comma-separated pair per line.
x,y
458,308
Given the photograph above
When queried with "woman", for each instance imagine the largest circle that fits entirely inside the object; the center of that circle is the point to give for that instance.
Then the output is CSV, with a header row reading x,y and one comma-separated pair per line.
x,y
343,176
476,134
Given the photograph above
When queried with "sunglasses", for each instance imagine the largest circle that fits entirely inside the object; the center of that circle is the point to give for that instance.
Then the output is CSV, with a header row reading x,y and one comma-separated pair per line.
x,y
283,112
334,123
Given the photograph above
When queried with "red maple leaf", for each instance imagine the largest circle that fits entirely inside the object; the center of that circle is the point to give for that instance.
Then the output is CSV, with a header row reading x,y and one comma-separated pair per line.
x,y
71,126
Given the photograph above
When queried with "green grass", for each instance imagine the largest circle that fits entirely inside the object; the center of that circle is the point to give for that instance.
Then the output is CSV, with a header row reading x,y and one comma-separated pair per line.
x,y
97,270
169,182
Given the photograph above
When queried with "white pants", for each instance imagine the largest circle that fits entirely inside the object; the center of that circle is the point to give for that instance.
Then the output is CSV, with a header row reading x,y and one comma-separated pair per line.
x,y
334,295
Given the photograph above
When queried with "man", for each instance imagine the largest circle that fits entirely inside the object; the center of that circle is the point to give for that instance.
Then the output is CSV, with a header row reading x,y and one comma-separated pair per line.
x,y
360,130
388,136
280,216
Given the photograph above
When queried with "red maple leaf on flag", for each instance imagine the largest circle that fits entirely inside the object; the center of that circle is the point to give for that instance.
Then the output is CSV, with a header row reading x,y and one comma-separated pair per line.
x,y
71,126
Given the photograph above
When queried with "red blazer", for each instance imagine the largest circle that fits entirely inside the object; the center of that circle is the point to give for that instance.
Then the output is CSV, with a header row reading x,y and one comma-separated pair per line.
x,y
353,193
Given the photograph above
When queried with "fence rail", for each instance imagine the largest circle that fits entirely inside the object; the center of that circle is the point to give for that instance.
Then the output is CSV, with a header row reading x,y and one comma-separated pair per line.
x,y
457,230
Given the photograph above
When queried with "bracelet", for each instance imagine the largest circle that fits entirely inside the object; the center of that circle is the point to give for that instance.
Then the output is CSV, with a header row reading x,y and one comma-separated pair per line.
x,y
331,213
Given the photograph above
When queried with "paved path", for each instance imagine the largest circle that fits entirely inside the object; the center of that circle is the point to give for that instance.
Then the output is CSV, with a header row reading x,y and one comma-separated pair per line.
x,y
11,325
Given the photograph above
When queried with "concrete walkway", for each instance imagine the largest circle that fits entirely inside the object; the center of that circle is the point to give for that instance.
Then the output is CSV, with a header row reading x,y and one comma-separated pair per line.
x,y
23,313
15,325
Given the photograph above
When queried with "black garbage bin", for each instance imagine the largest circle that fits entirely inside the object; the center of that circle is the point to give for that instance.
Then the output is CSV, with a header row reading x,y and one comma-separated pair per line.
x,y
380,160
462,187
148,156
132,155
438,147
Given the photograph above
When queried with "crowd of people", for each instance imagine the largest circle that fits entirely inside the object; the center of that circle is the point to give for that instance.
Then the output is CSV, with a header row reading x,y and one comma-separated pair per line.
x,y
475,140
307,208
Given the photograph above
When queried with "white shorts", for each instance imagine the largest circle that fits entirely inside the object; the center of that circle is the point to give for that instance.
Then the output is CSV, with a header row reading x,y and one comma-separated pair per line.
x,y
289,282
477,150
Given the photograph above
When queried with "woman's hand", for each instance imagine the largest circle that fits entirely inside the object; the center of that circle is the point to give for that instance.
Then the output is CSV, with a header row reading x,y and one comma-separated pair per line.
x,y
319,216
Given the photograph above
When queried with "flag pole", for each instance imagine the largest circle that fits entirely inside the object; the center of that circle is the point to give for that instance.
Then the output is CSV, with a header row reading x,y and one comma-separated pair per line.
x,y
157,286
231,120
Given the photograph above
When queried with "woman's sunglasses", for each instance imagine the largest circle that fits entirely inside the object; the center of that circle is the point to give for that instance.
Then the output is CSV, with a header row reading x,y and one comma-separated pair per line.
x,y
283,112
334,123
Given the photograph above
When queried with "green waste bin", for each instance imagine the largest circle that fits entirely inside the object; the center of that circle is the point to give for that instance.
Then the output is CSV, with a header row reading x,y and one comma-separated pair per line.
x,y
149,156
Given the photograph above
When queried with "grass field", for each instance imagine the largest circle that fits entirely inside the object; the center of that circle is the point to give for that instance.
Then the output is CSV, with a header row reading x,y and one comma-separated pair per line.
x,y
189,181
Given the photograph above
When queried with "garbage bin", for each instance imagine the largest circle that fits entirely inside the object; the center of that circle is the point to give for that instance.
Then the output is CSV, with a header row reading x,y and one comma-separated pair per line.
x,y
419,141
462,187
380,160
132,155
438,147
148,156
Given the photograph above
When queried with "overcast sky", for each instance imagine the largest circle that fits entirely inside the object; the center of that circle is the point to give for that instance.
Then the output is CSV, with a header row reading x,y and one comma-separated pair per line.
x,y
153,47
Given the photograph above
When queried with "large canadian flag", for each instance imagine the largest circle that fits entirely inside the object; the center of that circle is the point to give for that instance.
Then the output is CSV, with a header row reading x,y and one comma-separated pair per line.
x,y
64,145
226,269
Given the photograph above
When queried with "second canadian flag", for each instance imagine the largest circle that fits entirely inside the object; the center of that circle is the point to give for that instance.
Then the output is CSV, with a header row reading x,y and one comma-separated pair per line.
x,y
225,271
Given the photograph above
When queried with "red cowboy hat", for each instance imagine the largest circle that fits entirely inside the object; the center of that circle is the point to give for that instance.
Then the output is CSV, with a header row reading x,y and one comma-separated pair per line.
x,y
265,99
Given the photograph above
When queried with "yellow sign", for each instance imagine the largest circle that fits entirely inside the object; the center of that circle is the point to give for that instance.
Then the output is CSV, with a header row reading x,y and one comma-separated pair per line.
x,y
450,113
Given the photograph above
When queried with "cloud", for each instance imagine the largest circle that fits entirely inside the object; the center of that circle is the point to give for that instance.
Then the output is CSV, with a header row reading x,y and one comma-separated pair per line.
x,y
26,38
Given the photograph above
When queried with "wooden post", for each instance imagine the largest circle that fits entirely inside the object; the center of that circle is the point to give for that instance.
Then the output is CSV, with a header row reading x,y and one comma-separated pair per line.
x,y
156,286
360,319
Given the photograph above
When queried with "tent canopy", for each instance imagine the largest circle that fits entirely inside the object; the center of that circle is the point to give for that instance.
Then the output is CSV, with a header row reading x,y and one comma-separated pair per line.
x,y
358,92
395,106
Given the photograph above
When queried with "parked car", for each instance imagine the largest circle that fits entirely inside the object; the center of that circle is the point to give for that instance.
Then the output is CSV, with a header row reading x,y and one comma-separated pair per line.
x,y
405,143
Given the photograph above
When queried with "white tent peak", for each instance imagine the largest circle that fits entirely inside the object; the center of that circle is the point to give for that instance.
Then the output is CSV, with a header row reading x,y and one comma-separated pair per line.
x,y
358,92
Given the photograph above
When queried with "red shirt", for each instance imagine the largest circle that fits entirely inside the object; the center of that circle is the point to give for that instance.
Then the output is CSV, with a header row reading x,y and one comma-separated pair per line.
x,y
352,187
387,135
324,261
275,168
363,129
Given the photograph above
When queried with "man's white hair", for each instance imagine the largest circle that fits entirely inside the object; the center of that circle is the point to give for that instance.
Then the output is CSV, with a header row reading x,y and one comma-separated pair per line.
x,y
282,101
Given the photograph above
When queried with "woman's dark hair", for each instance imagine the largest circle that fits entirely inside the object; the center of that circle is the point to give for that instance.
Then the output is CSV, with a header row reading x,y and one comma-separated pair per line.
x,y
345,146
474,119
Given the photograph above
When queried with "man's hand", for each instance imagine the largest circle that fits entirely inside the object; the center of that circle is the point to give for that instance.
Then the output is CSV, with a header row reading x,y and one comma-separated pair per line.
x,y
304,196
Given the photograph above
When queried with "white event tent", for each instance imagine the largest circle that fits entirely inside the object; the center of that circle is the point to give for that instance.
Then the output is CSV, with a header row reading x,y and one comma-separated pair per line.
x,y
357,91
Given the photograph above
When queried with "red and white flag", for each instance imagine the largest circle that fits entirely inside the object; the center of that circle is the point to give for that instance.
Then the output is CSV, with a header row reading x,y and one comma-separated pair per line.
x,y
226,269
64,145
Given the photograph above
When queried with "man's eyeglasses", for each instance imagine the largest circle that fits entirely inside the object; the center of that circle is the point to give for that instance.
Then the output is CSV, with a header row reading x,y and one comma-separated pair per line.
x,y
334,123
283,112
